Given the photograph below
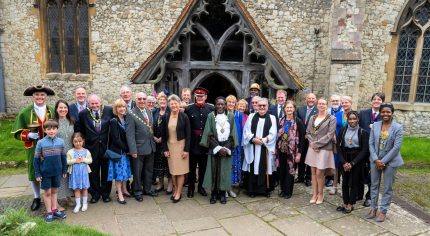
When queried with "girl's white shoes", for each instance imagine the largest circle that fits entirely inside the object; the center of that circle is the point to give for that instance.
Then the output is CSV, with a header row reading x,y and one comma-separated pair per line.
x,y
77,207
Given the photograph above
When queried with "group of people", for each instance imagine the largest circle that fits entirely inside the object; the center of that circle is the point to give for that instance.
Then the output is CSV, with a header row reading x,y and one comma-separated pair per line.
x,y
80,148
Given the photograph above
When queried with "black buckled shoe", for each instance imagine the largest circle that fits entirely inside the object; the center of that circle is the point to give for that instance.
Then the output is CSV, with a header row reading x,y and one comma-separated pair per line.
x,y
36,204
202,192
190,193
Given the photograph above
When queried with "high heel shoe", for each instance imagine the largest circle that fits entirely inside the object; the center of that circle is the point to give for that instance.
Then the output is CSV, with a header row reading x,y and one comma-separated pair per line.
x,y
318,202
313,200
177,200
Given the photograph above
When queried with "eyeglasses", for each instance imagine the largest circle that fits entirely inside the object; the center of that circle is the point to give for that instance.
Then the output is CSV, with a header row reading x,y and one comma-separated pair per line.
x,y
262,105
141,99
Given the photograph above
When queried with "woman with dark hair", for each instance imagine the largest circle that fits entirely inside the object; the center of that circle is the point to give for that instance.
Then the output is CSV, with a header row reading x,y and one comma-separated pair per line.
x,y
289,147
384,146
65,132
353,146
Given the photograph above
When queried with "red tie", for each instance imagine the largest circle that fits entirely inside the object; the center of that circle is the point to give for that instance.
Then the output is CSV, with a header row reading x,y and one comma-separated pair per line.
x,y
373,116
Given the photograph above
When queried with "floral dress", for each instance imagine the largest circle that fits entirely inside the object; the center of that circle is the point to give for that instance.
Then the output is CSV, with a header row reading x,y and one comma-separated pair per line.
x,y
79,179
120,170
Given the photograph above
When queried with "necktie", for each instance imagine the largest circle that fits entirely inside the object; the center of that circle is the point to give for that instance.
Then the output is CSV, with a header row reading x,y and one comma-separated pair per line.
x,y
97,122
81,107
373,116
308,111
281,111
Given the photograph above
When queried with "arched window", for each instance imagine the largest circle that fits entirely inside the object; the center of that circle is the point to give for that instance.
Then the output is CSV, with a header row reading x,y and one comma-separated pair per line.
x,y
412,69
66,35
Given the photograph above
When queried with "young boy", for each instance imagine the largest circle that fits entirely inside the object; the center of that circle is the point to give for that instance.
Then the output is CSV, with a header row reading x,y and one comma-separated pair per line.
x,y
50,165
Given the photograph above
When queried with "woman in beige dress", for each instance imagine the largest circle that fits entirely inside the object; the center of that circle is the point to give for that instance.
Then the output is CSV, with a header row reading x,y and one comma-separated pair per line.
x,y
176,144
320,133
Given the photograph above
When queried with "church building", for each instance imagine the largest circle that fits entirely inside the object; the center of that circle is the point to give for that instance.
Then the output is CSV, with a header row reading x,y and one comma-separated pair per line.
x,y
345,47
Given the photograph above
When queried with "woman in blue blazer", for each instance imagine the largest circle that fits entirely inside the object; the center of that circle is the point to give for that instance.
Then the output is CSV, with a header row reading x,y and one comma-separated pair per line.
x,y
384,146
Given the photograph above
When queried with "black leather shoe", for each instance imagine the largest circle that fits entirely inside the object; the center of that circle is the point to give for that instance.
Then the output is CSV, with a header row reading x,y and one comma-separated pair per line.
x,y
177,200
213,199
308,183
35,205
172,197
152,193
340,208
138,198
107,199
281,194
222,199
123,202
299,180
287,196
366,203
94,200
190,193
202,192
251,195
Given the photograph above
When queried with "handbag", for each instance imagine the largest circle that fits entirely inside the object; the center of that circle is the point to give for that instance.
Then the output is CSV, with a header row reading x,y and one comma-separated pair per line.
x,y
109,154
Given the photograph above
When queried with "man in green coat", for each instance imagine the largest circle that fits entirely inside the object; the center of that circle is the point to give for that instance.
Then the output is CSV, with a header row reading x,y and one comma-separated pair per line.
x,y
28,128
220,136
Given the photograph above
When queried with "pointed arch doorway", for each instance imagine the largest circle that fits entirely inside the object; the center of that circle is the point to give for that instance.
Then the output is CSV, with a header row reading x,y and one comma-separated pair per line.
x,y
217,85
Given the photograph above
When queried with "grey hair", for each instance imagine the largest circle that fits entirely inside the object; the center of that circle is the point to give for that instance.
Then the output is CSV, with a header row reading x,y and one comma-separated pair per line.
x,y
93,95
265,100
347,98
151,99
125,87
255,98
174,97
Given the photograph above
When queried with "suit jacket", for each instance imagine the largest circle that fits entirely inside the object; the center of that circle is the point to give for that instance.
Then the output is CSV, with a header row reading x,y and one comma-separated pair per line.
x,y
325,136
301,113
95,141
390,155
183,131
363,140
273,110
117,136
74,111
366,119
140,138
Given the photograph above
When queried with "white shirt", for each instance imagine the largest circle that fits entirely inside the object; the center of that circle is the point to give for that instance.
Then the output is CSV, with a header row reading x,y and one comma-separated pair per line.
x,y
40,111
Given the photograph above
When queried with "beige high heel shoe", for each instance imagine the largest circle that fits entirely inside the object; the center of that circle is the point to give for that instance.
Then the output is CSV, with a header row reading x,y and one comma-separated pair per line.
x,y
320,201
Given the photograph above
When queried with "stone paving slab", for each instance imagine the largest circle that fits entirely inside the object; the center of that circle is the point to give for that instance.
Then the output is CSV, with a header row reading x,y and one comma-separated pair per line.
x,y
212,232
16,181
3,179
247,225
186,226
186,210
12,192
301,225
321,213
231,209
145,224
263,207
353,225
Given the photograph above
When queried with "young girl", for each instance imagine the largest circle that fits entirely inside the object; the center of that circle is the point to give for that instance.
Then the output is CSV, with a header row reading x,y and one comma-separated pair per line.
x,y
78,159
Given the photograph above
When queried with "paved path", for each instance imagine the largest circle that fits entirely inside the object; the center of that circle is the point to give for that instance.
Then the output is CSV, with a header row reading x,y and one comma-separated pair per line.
x,y
240,216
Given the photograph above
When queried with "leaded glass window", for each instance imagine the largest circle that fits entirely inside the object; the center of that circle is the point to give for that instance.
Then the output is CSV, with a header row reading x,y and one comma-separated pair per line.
x,y
412,77
67,36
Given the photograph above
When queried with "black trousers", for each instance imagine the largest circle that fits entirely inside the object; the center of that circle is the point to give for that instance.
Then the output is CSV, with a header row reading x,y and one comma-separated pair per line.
x,y
200,160
285,178
142,165
99,186
351,180
304,171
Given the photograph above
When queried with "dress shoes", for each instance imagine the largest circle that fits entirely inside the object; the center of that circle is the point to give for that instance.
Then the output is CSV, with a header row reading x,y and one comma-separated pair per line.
x,y
287,196
213,199
202,192
299,180
308,183
123,202
138,198
222,199
177,200
366,203
35,205
152,193
190,193
348,210
106,199
172,197
282,194
94,200
340,209
251,195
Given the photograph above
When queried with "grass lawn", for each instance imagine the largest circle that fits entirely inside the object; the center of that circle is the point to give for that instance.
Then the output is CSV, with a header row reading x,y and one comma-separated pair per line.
x,y
18,222
10,149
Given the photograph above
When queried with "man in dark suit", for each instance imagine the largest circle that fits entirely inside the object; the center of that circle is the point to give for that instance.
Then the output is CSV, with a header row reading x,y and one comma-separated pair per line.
x,y
254,90
278,109
141,144
197,114
305,113
367,118
80,104
94,125
127,96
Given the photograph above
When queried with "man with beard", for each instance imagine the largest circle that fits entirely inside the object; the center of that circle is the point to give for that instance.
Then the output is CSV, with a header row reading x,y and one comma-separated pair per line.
x,y
28,128
197,114
259,140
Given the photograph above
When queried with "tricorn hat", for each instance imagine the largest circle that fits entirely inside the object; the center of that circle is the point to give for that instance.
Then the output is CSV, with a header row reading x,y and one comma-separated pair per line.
x,y
39,88
199,91
255,86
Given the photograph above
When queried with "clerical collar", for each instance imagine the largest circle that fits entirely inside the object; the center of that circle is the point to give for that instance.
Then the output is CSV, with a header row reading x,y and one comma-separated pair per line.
x,y
261,116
